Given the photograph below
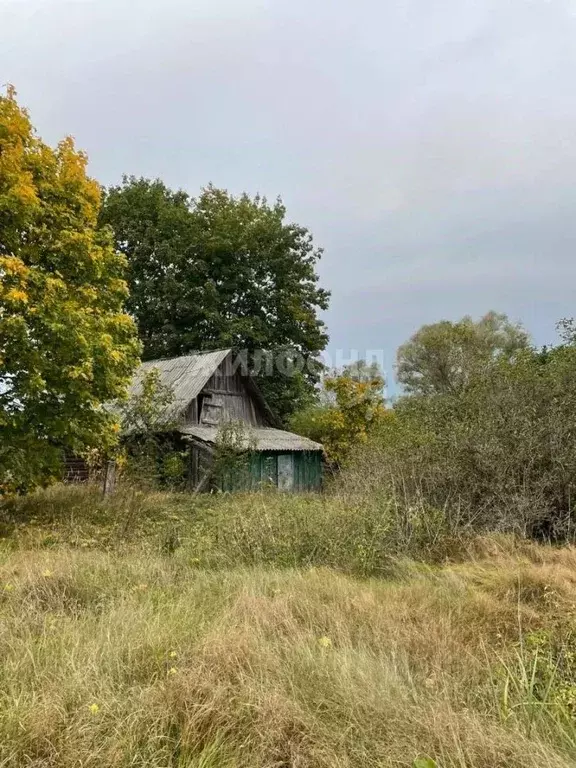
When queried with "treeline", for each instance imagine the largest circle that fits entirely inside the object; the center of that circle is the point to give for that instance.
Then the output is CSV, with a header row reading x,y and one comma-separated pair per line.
x,y
485,438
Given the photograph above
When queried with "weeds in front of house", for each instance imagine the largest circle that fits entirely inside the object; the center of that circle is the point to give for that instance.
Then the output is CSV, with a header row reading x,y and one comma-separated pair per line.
x,y
266,630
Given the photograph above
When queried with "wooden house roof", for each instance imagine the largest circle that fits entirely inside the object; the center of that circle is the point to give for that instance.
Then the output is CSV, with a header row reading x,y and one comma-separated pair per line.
x,y
260,438
186,376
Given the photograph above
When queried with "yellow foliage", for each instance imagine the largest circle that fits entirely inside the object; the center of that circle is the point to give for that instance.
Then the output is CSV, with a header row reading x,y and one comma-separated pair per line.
x,y
10,265
15,296
65,340
358,406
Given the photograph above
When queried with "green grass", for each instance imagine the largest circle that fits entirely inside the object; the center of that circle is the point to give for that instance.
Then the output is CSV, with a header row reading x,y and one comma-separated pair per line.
x,y
224,530
162,631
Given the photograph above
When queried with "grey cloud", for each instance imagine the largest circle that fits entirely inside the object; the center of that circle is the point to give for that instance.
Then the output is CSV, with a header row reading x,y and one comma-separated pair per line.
x,y
429,145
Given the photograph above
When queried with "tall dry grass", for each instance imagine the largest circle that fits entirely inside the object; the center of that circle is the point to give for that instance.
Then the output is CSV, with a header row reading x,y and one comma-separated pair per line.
x,y
126,650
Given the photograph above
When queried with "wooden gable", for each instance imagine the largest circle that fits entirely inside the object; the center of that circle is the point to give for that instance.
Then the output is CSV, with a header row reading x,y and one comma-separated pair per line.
x,y
229,396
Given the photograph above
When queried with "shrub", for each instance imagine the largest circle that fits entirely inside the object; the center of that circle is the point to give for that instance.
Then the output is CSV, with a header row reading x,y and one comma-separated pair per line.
x,y
151,453
501,455
351,405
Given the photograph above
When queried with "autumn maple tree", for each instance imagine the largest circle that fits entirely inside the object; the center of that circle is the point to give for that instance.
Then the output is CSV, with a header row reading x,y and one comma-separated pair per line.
x,y
66,344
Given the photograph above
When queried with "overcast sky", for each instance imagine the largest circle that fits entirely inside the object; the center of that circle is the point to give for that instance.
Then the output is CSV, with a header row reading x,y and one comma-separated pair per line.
x,y
429,145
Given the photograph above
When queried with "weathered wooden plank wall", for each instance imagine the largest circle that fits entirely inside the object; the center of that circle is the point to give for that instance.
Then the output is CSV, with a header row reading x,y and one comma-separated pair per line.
x,y
226,398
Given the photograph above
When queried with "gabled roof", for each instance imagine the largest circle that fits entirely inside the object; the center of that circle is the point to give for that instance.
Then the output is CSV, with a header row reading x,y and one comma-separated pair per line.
x,y
185,376
265,438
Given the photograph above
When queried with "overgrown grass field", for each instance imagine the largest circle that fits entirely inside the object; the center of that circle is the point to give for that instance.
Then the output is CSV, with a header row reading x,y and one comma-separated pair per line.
x,y
267,631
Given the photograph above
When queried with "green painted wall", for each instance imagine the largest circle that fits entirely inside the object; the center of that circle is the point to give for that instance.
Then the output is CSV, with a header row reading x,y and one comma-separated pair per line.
x,y
262,470
307,470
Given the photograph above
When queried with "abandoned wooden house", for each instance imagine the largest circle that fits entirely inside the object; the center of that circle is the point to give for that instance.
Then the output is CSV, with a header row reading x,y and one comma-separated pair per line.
x,y
209,390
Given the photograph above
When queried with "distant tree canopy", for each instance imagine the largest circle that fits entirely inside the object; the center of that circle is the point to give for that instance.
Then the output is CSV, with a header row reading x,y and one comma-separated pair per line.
x,y
66,345
220,271
444,357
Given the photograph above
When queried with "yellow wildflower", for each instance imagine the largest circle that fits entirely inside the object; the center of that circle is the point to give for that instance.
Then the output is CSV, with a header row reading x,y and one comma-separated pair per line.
x,y
94,708
324,642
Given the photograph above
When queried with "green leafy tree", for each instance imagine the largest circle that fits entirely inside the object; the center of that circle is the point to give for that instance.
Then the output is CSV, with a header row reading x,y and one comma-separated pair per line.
x,y
445,357
222,271
66,345
567,331
232,451
143,413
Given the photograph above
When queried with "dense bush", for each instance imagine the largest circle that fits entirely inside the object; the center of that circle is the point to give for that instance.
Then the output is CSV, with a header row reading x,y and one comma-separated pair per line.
x,y
500,455
350,404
